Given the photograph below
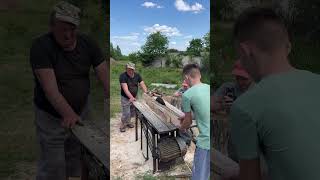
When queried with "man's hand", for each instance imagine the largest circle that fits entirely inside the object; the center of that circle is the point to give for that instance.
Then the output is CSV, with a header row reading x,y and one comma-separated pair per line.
x,y
132,99
70,120
227,102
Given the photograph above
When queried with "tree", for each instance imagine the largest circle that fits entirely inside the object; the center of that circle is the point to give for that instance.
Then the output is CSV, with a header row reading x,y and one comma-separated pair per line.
x,y
118,52
115,52
134,57
155,46
112,53
206,42
195,47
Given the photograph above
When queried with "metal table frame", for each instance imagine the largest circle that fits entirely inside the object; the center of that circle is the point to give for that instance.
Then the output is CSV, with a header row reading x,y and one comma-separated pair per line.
x,y
152,143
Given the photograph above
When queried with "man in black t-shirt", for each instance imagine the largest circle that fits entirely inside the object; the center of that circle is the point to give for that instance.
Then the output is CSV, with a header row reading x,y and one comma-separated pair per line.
x,y
61,62
129,82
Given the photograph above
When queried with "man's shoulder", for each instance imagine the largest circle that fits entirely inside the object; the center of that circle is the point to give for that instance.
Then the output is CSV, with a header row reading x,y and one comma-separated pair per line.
x,y
123,75
43,40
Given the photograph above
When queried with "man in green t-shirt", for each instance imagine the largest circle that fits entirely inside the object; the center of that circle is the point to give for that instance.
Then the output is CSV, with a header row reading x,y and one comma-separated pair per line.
x,y
279,116
197,99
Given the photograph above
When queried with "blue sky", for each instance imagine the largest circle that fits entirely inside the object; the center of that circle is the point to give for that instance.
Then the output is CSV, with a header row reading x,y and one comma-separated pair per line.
x,y
131,21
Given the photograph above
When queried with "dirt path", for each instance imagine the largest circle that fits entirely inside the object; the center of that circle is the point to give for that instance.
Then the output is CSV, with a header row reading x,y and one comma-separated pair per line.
x,y
126,158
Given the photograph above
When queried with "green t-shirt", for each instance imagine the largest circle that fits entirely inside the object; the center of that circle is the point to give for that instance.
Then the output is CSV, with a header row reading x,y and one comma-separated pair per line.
x,y
280,118
197,99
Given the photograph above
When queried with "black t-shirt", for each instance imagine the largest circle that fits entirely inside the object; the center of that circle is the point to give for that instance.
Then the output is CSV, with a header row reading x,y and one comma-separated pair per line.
x,y
133,83
71,70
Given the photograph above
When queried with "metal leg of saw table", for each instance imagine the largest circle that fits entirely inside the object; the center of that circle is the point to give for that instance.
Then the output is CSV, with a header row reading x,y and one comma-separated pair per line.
x,y
141,132
147,143
154,153
136,124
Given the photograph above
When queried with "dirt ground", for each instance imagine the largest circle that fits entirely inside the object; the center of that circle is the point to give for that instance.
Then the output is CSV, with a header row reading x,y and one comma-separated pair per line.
x,y
127,161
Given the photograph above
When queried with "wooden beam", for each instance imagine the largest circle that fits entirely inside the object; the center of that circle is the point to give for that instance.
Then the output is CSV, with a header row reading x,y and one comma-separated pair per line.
x,y
167,112
94,139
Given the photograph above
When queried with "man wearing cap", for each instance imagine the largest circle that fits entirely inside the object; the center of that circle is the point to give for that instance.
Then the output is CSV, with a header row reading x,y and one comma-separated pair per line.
x,y
61,60
129,83
230,91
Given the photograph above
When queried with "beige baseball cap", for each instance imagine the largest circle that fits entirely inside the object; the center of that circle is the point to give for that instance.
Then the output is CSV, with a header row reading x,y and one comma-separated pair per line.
x,y
131,65
67,12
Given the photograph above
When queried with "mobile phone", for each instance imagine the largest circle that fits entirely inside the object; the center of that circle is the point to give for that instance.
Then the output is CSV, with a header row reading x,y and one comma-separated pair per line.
x,y
230,93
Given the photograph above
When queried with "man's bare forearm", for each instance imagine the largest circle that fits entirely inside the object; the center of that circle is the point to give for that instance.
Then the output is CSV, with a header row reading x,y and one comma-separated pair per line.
x,y
49,85
126,90
103,76
144,87
59,103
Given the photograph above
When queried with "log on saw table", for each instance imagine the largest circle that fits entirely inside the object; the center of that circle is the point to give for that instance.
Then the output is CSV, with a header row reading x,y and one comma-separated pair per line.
x,y
159,125
94,138
167,112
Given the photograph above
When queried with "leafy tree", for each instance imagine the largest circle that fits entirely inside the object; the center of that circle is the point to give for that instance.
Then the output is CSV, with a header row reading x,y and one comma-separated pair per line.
x,y
115,52
195,47
206,42
134,57
118,52
155,46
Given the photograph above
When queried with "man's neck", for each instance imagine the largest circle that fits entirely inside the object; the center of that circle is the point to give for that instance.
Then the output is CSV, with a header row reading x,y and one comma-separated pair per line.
x,y
196,82
277,66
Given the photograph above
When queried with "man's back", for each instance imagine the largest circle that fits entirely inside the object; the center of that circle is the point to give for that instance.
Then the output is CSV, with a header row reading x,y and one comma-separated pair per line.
x,y
280,118
199,98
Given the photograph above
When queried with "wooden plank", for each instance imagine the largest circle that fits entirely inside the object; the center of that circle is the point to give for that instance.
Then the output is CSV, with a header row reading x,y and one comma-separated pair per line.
x,y
167,112
154,119
94,139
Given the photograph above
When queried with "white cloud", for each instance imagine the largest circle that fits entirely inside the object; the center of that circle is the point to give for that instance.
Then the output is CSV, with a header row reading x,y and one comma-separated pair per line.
x,y
135,34
127,43
126,38
135,44
173,43
148,4
181,5
188,37
167,30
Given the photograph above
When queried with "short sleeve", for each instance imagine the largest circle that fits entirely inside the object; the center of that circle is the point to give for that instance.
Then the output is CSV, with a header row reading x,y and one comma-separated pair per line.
x,y
97,56
40,56
244,134
122,79
139,78
186,103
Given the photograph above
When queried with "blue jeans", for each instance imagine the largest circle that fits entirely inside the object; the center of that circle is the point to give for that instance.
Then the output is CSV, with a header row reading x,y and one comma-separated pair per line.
x,y
201,164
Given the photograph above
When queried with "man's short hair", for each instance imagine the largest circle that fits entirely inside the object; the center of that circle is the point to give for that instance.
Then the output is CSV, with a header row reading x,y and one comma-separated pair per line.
x,y
192,70
261,25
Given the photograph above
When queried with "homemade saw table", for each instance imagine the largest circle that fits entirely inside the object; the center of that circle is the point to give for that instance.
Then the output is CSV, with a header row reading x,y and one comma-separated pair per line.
x,y
93,137
159,125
